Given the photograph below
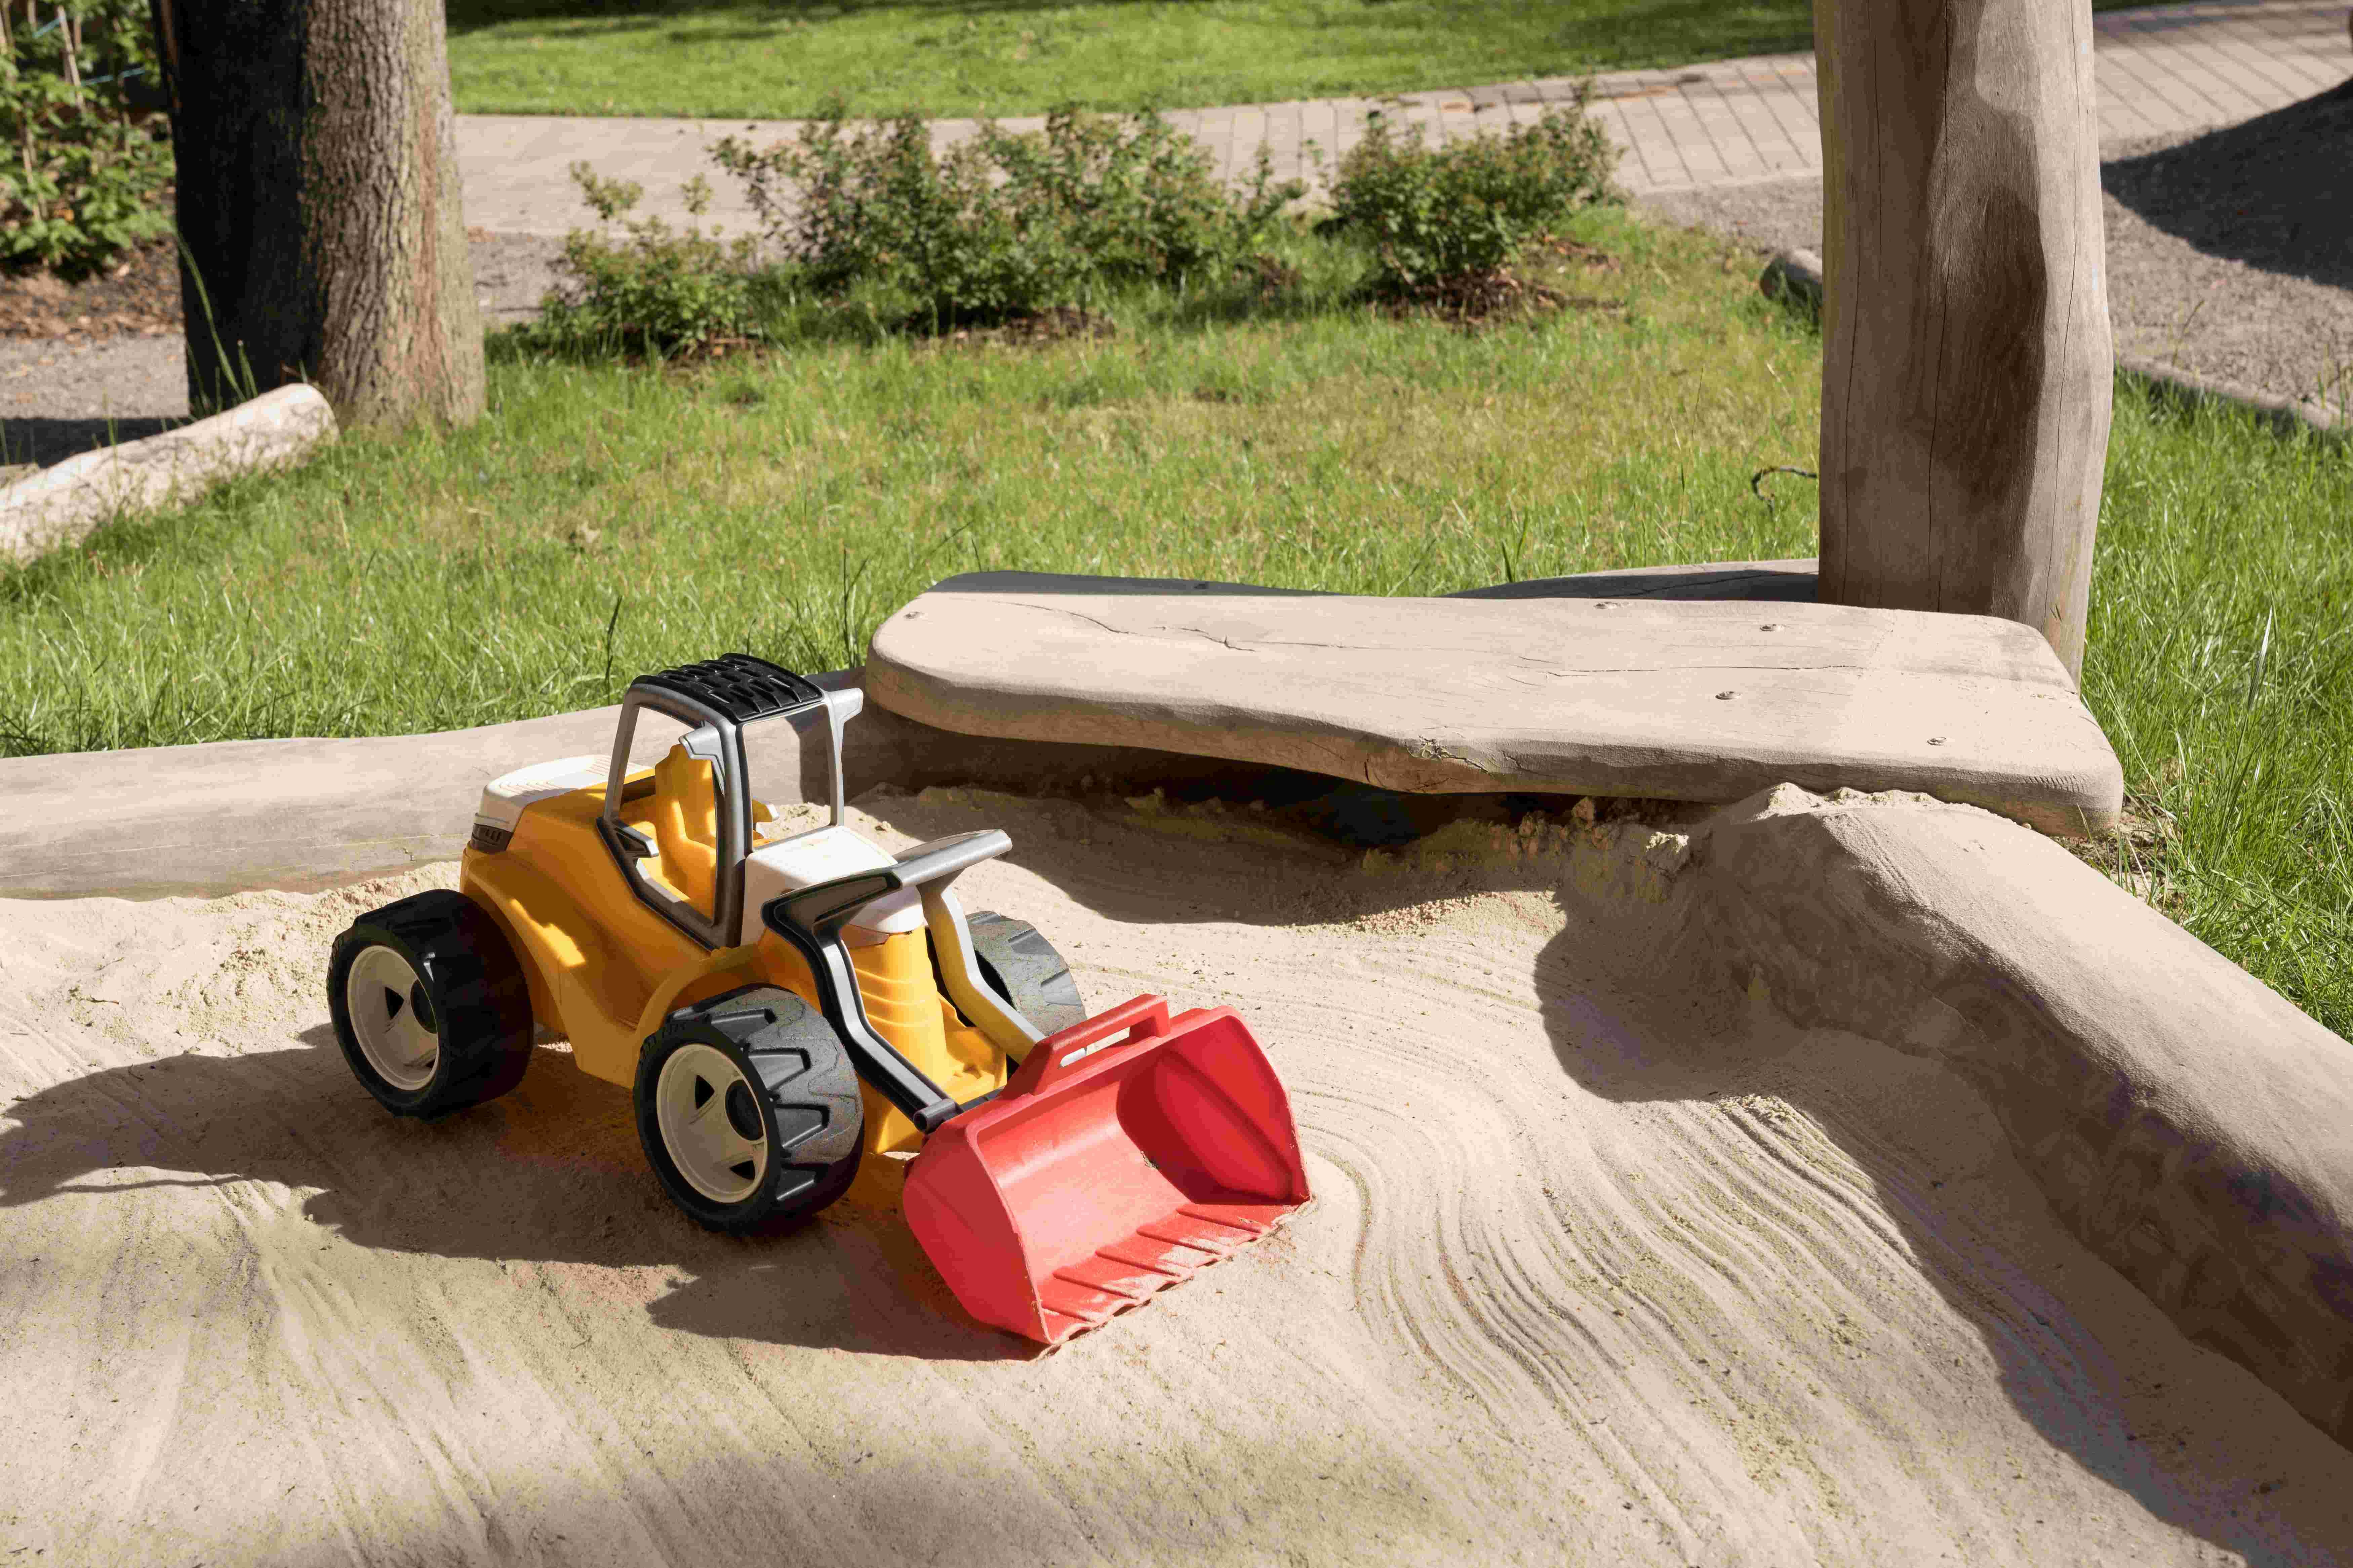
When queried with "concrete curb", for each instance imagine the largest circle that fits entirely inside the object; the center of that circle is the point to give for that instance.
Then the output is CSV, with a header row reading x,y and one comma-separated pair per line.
x,y
1795,277
2186,1122
59,505
2288,415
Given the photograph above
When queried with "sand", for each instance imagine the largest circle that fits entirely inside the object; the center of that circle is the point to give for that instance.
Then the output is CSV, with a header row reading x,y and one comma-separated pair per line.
x,y
1599,1271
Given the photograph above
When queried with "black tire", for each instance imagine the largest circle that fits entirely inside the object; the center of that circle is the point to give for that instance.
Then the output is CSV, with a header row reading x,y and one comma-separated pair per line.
x,y
1017,959
453,977
794,1100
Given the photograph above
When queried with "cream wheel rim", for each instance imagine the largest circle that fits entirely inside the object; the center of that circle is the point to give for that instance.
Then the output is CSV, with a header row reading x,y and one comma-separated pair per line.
x,y
710,1124
393,1018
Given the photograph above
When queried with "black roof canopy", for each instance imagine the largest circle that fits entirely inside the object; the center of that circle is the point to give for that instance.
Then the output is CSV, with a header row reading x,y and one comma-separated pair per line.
x,y
736,686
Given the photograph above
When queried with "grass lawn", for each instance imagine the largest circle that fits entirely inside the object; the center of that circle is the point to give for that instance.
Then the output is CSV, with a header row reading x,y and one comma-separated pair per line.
x,y
603,520
954,58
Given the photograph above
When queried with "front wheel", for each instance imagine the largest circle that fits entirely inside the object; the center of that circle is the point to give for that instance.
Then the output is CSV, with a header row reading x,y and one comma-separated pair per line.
x,y
429,1005
749,1108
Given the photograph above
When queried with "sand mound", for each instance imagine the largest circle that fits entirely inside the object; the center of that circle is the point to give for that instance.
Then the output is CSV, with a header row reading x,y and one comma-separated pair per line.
x,y
1596,1273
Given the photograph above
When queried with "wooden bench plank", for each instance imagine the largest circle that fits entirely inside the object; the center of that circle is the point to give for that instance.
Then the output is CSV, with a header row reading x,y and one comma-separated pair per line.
x,y
1675,700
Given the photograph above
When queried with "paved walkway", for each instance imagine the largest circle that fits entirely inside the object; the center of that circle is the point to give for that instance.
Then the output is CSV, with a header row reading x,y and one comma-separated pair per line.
x,y
2169,71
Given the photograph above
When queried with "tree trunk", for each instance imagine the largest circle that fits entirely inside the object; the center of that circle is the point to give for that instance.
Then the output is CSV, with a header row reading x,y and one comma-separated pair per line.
x,y
1968,363
321,231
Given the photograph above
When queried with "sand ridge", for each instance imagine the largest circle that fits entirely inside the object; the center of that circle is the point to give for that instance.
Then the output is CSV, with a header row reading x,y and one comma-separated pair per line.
x,y
1600,1270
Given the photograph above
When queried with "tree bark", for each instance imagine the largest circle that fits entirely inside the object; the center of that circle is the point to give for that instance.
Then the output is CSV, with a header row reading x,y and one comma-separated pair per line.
x,y
321,235
1968,363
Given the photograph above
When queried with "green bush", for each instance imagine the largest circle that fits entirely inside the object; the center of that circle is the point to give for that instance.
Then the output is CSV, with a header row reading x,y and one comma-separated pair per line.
x,y
83,170
1139,194
1001,225
1464,210
656,291
876,207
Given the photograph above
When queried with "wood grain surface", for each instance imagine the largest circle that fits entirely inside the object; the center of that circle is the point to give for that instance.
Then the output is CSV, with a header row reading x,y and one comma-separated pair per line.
x,y
1966,356
1681,701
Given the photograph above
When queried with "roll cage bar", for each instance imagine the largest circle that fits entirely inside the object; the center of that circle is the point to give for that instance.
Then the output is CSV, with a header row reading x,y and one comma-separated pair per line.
x,y
717,698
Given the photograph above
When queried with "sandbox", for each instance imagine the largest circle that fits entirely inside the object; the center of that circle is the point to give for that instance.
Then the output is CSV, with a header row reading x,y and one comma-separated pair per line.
x,y
1614,1258
1759,1176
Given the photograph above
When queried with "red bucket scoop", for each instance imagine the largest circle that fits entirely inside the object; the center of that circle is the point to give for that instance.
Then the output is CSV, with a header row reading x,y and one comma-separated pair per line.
x,y
1127,1152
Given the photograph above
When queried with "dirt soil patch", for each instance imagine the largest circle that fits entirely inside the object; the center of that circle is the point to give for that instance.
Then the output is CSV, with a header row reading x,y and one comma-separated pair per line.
x,y
1593,1274
138,296
88,366
1543,281
1037,329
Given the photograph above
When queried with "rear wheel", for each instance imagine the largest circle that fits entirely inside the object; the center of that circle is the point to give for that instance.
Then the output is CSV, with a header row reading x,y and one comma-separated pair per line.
x,y
749,1108
1017,959
429,1005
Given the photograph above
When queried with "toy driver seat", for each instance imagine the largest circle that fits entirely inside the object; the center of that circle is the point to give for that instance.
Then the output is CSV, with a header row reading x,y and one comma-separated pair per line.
x,y
686,827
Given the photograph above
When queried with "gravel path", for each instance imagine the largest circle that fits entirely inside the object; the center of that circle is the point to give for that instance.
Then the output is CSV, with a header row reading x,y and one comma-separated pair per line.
x,y
2229,254
57,399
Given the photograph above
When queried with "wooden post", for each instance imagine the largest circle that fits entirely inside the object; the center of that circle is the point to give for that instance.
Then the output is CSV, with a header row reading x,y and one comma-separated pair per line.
x,y
321,237
1968,363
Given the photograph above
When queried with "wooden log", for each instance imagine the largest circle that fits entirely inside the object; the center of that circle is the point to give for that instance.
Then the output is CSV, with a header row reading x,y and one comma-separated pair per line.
x,y
1968,362
1690,700
57,505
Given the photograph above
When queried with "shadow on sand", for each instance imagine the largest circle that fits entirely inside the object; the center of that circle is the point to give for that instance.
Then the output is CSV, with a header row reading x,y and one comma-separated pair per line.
x,y
552,1174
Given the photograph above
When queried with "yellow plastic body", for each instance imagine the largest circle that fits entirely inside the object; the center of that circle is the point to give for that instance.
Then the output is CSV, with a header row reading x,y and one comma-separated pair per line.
x,y
605,970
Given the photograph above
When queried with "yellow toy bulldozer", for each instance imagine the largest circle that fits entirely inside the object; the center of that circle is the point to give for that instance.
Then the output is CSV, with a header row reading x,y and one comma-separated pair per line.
x,y
784,1004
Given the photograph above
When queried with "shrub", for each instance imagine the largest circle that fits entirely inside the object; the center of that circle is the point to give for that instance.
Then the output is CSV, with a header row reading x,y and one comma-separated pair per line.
x,y
1435,218
83,169
659,291
1140,197
1001,225
875,206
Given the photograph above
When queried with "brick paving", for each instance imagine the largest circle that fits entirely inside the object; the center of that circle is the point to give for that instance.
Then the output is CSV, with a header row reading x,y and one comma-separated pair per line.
x,y
2168,70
